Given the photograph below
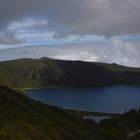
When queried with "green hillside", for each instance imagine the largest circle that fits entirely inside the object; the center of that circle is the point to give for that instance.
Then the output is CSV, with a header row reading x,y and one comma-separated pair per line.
x,y
24,119
45,72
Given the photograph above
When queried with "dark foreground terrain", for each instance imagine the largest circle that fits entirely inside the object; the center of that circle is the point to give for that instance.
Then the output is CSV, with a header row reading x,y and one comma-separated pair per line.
x,y
24,119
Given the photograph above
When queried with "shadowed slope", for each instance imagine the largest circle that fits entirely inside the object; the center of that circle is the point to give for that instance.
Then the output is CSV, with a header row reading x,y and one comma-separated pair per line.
x,y
45,72
24,119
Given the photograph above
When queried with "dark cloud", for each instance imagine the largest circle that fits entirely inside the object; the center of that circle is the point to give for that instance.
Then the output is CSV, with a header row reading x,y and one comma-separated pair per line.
x,y
102,17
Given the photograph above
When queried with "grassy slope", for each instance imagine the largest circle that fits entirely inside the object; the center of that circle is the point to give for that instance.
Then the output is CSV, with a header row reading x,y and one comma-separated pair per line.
x,y
24,119
24,73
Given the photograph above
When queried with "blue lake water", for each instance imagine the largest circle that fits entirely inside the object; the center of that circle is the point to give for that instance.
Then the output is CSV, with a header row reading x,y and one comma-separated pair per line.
x,y
113,99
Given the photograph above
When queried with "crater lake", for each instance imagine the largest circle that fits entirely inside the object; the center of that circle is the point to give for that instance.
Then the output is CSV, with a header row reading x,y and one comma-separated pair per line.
x,y
111,99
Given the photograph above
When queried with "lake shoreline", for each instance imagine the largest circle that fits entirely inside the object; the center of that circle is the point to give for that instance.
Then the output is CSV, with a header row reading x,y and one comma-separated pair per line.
x,y
80,112
23,90
106,99
90,113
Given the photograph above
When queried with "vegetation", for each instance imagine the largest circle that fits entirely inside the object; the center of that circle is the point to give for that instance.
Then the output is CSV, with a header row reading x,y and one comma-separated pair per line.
x,y
24,119
45,72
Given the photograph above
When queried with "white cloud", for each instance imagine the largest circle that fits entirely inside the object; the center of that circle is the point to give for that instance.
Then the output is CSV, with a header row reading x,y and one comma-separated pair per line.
x,y
35,31
26,23
123,52
30,40
8,38
25,31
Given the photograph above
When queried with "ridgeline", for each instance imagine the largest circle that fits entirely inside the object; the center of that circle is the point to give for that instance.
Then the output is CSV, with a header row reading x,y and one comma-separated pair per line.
x,y
45,72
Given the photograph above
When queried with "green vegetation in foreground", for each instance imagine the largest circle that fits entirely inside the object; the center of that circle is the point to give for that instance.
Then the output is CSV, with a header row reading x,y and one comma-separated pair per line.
x,y
24,119
26,73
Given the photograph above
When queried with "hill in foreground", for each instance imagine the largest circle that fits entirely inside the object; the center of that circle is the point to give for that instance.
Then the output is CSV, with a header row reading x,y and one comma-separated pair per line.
x,y
24,119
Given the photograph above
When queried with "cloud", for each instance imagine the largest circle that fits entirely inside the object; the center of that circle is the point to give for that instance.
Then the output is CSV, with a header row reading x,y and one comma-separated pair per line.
x,y
25,31
53,22
35,31
8,38
26,23
66,17
115,51
89,30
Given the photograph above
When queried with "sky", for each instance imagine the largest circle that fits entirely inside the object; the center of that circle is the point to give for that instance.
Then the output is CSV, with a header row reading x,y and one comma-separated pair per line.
x,y
87,30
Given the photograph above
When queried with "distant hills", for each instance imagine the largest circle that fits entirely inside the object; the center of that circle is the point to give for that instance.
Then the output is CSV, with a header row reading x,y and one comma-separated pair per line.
x,y
45,72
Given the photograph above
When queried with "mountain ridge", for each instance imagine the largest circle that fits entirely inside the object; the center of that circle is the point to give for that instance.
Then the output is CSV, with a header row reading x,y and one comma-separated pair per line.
x,y
46,72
